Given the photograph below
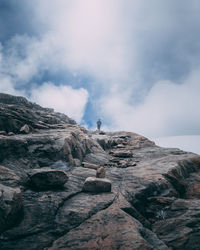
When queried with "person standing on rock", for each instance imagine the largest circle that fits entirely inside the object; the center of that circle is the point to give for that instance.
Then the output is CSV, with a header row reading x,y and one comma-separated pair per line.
x,y
99,124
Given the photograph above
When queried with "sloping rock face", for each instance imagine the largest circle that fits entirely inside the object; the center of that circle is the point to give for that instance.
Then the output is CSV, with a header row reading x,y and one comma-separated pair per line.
x,y
153,203
16,111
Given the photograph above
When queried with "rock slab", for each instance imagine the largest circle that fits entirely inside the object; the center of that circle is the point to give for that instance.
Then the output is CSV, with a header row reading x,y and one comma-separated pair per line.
x,y
45,179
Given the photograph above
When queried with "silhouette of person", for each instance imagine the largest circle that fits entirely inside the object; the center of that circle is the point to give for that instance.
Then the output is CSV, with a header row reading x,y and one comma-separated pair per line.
x,y
99,124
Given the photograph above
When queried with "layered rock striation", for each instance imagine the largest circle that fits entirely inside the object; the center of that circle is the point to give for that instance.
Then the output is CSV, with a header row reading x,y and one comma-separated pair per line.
x,y
16,112
50,196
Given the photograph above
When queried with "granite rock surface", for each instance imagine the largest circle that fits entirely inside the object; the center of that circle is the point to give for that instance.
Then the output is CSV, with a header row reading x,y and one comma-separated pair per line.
x,y
153,204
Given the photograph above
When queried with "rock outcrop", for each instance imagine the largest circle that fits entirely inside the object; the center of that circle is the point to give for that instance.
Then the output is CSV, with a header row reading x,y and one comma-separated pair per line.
x,y
16,112
152,199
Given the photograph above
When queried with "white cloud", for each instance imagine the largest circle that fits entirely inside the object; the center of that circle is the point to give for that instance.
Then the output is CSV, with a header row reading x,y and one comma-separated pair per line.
x,y
168,109
91,35
62,98
6,86
26,57
187,143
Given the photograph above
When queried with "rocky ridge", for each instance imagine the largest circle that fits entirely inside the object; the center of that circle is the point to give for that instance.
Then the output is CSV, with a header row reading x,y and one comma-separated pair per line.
x,y
154,198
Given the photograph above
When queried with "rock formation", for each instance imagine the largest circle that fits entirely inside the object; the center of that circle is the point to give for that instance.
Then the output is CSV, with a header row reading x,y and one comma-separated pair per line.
x,y
154,202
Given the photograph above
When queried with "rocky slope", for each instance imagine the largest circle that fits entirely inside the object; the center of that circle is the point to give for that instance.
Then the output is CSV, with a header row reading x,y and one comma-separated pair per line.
x,y
154,202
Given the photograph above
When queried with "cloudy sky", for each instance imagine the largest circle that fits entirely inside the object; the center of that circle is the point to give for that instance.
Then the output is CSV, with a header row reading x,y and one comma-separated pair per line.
x,y
134,63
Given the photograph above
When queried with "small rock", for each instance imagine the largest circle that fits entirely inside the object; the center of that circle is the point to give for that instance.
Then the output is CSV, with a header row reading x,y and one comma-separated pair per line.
x,y
3,133
77,162
89,165
97,185
45,178
11,133
120,146
102,133
8,177
101,173
25,129
40,126
121,153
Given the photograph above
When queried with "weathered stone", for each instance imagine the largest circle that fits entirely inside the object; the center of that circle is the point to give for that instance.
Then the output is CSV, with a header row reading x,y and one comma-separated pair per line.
x,y
97,185
155,191
181,228
10,207
98,158
121,153
111,228
8,177
101,173
25,129
89,165
16,111
11,133
44,179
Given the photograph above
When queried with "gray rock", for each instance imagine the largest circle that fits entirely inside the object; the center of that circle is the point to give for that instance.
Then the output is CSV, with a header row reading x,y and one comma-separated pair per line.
x,y
25,129
121,153
101,173
11,133
3,133
89,165
97,185
98,158
8,177
45,178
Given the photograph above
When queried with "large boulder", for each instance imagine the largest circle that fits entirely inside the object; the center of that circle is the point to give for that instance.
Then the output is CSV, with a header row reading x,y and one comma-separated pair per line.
x,y
46,178
97,185
90,165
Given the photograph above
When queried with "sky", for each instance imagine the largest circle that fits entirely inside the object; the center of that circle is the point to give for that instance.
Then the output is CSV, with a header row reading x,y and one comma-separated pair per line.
x,y
134,63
